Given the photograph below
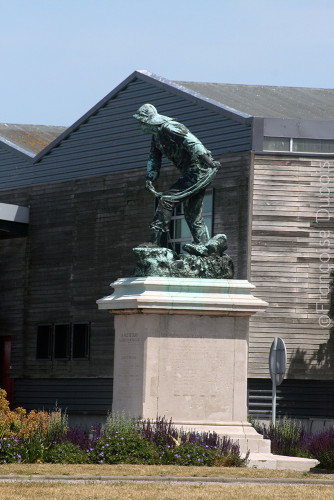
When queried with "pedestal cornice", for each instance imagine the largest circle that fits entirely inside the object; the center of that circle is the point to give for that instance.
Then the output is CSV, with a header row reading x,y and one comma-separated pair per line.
x,y
154,295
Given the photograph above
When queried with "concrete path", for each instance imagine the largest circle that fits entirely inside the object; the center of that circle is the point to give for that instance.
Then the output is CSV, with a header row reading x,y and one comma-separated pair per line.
x,y
166,479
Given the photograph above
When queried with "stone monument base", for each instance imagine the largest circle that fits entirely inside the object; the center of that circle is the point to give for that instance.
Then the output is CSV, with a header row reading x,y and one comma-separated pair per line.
x,y
181,349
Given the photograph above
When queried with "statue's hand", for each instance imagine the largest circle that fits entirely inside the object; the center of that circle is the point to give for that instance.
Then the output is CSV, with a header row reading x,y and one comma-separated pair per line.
x,y
217,164
148,184
210,161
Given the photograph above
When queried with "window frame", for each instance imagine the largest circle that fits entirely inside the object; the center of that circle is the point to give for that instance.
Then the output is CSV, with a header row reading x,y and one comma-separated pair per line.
x,y
69,341
293,145
50,341
87,343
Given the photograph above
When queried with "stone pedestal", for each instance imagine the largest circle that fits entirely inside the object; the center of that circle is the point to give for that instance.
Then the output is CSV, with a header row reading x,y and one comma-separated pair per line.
x,y
181,348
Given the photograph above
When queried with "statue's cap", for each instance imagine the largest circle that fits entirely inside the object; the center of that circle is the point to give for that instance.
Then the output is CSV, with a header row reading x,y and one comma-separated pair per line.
x,y
147,113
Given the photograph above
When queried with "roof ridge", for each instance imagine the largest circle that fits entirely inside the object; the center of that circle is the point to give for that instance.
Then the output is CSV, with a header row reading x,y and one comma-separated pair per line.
x,y
31,125
179,82
17,149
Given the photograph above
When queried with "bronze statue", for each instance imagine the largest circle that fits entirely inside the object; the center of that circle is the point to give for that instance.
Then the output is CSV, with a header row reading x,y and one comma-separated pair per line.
x,y
196,164
204,258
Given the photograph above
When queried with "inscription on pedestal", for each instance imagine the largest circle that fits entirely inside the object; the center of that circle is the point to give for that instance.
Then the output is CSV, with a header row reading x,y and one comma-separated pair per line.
x,y
180,367
128,373
196,372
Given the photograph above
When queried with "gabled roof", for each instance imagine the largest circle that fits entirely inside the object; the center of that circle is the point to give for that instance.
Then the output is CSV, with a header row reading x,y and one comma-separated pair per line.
x,y
29,139
241,103
297,103
159,81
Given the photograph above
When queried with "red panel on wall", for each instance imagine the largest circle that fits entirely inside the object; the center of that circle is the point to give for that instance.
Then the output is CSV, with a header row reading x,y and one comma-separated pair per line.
x,y
7,383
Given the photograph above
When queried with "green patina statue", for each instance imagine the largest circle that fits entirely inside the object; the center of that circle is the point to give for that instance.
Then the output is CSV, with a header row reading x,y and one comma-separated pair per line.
x,y
205,257
173,140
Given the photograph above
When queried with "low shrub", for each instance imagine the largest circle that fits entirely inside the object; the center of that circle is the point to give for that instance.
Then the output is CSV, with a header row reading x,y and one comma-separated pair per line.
x,y
82,437
160,432
11,450
120,423
191,448
66,453
129,448
288,437
187,454
38,425
321,446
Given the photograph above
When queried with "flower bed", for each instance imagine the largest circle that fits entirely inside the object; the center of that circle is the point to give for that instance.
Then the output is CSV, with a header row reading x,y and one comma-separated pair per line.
x,y
46,437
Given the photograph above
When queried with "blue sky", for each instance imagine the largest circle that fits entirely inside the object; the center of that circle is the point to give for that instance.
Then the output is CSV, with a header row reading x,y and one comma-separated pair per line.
x,y
59,58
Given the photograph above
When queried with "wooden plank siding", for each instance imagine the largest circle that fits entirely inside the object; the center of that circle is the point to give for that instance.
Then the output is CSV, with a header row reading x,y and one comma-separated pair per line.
x,y
78,396
12,269
292,242
231,201
81,236
12,264
80,239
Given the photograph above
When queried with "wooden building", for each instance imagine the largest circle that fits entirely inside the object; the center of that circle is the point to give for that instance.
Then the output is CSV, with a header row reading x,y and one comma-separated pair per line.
x,y
88,208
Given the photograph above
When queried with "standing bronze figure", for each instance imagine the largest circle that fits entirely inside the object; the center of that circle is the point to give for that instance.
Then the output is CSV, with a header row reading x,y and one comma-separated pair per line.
x,y
195,163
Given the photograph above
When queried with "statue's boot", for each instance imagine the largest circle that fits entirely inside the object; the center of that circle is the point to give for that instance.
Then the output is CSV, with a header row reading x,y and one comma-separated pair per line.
x,y
196,249
154,240
215,246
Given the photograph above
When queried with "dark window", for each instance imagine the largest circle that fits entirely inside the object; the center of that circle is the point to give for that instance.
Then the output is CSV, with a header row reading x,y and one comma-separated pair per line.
x,y
44,342
80,341
62,341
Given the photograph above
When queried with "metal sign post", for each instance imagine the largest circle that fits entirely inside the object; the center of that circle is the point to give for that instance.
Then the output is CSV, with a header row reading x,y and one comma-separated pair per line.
x,y
277,367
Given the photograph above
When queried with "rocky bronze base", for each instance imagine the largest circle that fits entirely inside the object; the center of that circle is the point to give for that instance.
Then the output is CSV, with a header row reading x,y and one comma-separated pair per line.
x,y
200,261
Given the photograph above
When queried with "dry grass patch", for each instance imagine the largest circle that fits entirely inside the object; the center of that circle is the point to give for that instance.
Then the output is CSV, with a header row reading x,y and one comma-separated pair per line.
x,y
150,470
98,491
